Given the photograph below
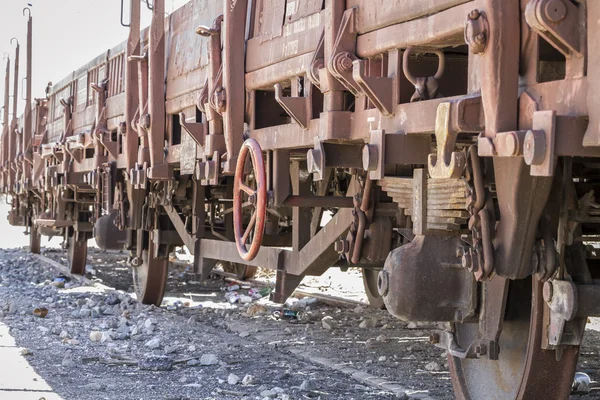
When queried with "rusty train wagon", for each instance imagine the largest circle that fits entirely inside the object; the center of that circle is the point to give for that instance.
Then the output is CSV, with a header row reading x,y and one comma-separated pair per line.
x,y
447,147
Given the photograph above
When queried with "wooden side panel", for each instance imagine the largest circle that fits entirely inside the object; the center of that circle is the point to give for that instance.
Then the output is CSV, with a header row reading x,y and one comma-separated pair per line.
x,y
298,9
187,52
376,14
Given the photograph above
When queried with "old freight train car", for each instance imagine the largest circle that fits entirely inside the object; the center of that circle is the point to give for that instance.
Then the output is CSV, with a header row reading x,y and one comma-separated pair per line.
x,y
450,148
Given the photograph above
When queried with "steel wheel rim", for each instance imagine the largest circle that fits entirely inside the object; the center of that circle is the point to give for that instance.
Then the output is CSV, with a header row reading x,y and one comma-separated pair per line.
x,y
150,278
524,371
370,282
257,224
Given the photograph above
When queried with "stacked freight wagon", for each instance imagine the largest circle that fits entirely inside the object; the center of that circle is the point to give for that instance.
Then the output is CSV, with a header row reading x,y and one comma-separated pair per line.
x,y
445,146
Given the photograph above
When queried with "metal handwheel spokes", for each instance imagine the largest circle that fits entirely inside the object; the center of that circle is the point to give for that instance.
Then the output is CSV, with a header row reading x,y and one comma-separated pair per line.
x,y
249,239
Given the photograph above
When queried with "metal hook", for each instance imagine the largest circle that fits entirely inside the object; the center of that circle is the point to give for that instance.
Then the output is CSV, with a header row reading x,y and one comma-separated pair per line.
x,y
150,6
441,66
28,11
16,40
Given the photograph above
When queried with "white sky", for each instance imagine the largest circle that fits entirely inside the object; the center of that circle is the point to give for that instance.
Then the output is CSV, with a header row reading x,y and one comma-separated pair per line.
x,y
66,35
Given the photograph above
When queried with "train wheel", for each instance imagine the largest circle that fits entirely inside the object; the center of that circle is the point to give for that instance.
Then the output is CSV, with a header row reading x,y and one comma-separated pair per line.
x,y
523,370
248,240
76,255
245,272
150,277
370,282
35,240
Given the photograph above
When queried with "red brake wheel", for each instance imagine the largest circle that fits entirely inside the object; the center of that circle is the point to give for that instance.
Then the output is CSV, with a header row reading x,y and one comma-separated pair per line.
x,y
248,240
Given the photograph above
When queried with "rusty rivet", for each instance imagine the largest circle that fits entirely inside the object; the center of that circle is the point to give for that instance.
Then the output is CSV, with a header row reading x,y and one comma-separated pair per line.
x,y
480,38
548,292
434,338
473,15
556,10
346,62
383,283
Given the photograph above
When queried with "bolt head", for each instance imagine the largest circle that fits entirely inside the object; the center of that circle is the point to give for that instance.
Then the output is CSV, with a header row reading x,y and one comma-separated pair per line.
x,y
346,62
556,10
475,14
480,39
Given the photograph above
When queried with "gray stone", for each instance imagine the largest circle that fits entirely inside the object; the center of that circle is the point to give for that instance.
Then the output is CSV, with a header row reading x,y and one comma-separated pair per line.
x,y
209,359
156,363
248,380
153,343
368,323
433,367
67,361
233,379
308,385
112,299
328,323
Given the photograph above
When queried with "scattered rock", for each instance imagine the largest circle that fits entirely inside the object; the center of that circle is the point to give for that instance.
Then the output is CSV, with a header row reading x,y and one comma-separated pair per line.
x,y
233,379
308,385
95,336
382,359
381,338
112,299
153,343
328,323
269,394
26,352
106,337
156,363
248,380
368,323
433,367
209,359
68,361
412,325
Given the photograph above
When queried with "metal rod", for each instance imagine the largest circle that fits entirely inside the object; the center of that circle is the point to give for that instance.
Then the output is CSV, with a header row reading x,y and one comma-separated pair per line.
x,y
319,201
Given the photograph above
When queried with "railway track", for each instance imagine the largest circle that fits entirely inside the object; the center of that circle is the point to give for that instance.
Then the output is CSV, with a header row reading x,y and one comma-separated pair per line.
x,y
314,357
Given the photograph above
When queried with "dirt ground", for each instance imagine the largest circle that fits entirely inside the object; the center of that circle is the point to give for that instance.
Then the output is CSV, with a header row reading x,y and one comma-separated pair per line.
x,y
98,343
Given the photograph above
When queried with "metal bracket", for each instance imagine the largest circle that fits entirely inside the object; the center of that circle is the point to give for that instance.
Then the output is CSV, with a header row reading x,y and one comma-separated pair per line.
x,y
340,62
562,298
477,349
379,90
317,63
446,163
298,108
558,22
315,160
539,144
196,130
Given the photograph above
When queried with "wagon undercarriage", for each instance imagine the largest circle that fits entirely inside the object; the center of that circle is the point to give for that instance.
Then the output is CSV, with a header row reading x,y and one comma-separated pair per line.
x,y
448,147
